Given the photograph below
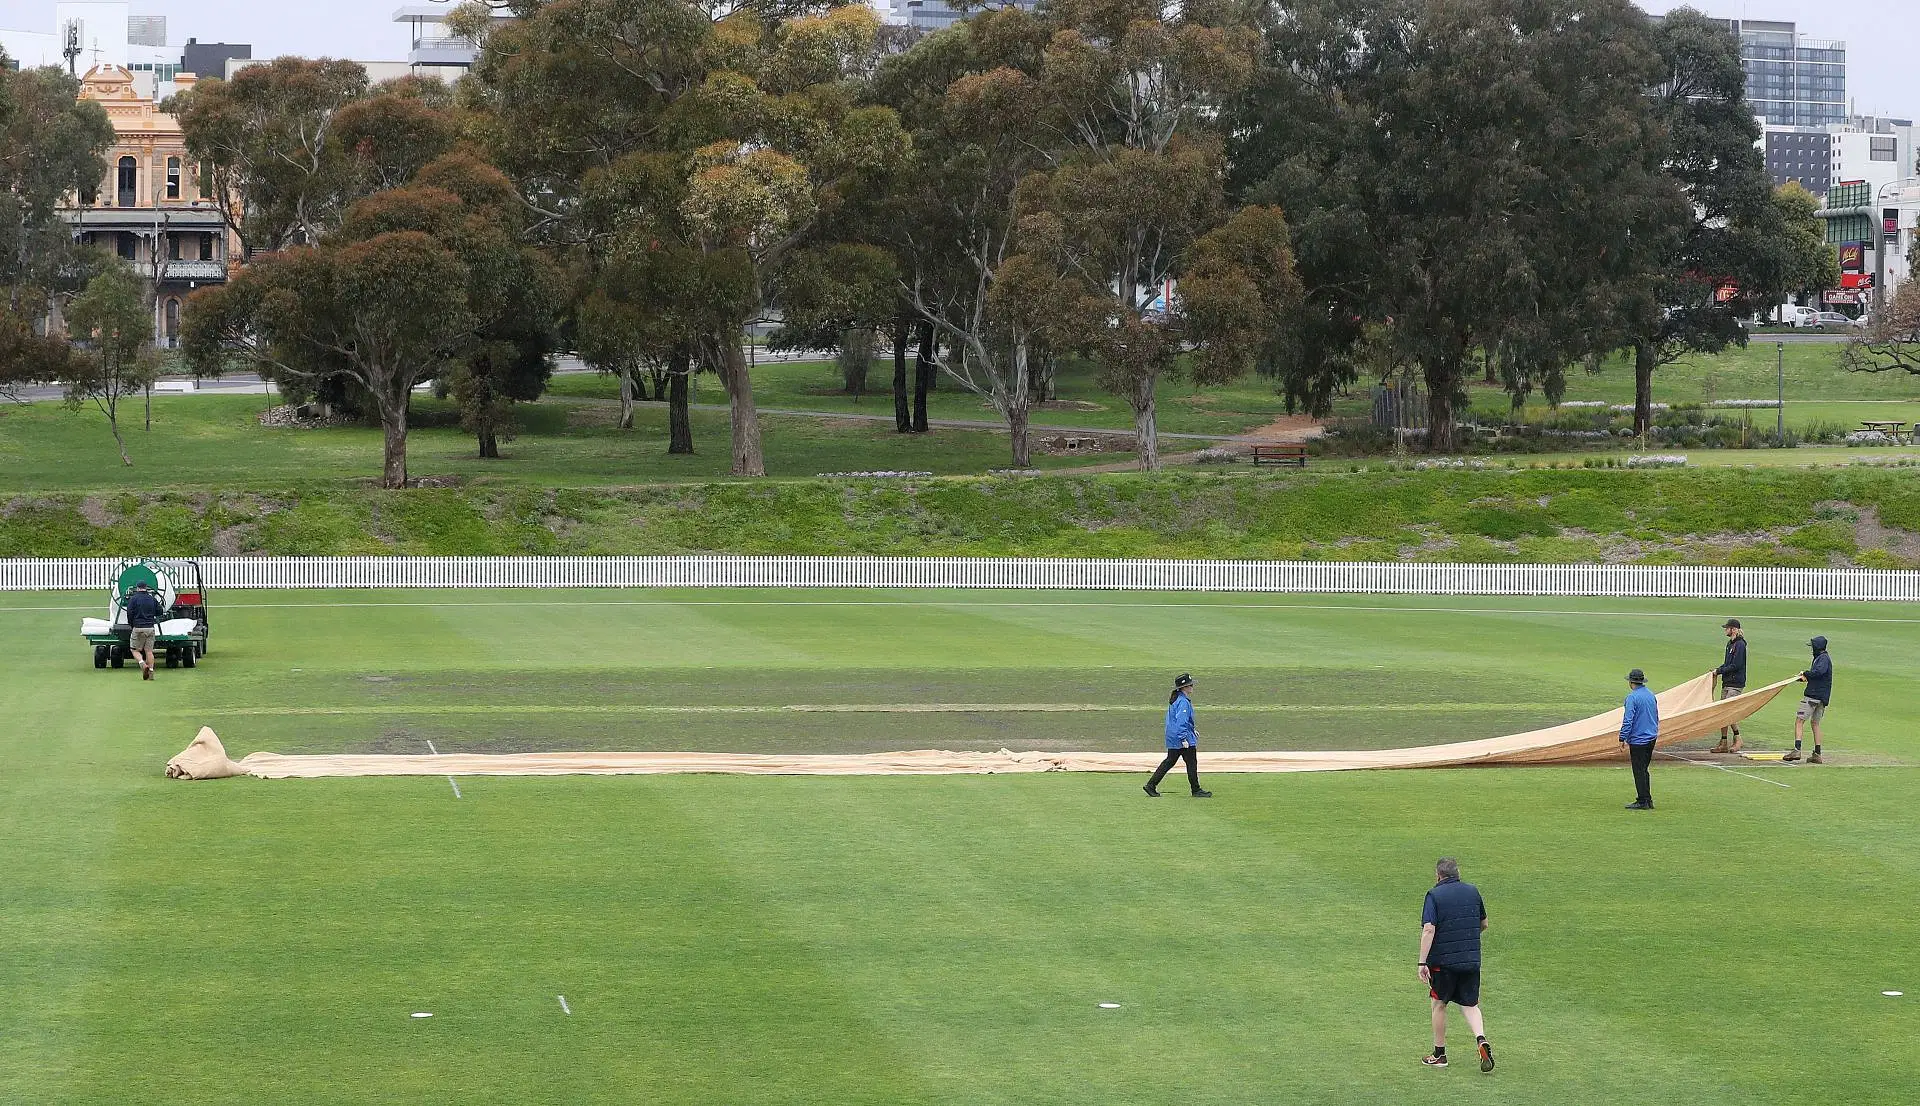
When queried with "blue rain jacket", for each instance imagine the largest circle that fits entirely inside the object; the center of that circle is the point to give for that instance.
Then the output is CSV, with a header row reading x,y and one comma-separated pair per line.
x,y
1180,732
1642,723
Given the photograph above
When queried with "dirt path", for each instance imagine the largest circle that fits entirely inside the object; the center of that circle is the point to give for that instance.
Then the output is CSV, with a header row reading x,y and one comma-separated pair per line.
x,y
1286,430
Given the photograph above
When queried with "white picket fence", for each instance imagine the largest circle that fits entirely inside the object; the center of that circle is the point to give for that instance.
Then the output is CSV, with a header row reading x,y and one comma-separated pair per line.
x,y
1647,581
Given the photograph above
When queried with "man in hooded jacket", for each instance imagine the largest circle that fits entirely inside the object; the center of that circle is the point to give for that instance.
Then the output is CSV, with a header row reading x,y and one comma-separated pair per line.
x,y
1813,701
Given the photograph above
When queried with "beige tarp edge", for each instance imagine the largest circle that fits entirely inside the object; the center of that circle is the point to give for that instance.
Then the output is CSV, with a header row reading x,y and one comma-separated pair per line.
x,y
1687,712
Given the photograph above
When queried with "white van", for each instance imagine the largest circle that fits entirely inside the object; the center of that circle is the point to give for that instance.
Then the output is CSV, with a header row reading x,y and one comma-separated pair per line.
x,y
1794,315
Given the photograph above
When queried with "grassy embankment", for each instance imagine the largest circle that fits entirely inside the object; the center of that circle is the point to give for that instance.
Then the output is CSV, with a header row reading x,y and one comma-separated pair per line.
x,y
1808,517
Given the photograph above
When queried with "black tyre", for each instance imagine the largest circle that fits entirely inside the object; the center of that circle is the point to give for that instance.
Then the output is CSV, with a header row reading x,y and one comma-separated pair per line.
x,y
201,646
119,656
172,657
186,656
99,656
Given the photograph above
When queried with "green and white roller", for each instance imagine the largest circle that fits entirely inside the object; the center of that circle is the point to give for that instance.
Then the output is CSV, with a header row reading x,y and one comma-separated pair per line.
x,y
182,639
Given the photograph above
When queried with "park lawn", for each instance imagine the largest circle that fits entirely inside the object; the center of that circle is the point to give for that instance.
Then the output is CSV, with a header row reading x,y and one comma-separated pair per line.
x,y
943,939
216,441
1227,409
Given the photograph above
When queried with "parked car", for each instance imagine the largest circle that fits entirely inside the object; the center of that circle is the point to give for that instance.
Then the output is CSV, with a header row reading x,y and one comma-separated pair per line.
x,y
1833,320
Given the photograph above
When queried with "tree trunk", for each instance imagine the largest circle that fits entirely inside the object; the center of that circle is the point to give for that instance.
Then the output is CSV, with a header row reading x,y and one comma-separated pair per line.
x,y
679,427
1042,376
1644,362
902,413
489,444
1019,409
1441,380
923,371
149,391
393,427
626,399
1146,431
659,385
113,424
731,361
1489,376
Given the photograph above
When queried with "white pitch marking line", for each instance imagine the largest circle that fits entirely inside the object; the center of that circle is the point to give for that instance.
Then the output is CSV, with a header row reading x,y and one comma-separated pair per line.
x,y
1724,768
564,1008
450,779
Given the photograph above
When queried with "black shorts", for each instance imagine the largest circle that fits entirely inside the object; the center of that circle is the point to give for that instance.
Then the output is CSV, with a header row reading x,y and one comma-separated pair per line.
x,y
1460,986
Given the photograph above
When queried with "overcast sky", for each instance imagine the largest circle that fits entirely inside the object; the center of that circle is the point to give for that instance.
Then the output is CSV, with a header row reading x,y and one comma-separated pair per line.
x,y
1881,35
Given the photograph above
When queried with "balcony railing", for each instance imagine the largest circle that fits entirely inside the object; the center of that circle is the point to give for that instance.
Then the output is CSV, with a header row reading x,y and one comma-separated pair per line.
x,y
196,270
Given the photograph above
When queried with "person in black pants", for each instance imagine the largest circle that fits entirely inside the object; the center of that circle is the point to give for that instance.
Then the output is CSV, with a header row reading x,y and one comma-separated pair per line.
x,y
1640,732
1183,743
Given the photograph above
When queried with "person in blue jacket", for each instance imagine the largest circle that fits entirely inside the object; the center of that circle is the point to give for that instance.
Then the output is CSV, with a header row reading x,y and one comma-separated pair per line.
x,y
1182,742
1639,729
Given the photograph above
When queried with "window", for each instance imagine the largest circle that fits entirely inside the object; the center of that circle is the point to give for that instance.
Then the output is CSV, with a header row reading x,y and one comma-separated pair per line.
x,y
173,247
1881,149
129,245
206,246
173,178
173,322
129,177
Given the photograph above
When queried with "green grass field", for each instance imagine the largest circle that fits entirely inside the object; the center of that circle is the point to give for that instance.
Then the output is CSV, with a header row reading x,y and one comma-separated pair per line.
x,y
896,940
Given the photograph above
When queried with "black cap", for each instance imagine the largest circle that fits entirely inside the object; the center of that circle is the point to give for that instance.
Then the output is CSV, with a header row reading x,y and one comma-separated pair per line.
x,y
1819,644
1730,624
1636,677
1183,680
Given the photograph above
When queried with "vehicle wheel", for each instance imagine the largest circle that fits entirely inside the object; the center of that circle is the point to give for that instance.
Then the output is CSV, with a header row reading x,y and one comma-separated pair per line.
x,y
99,656
186,656
119,656
201,646
173,657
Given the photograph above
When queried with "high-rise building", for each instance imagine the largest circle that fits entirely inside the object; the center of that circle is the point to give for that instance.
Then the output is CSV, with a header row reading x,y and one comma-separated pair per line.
x,y
1803,155
938,15
1793,80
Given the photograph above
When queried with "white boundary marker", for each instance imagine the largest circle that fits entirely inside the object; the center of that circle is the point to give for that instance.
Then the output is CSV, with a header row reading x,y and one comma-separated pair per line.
x,y
455,783
1723,768
564,1008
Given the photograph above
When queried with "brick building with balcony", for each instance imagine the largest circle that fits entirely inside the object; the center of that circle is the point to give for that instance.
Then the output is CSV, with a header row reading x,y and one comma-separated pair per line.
x,y
154,209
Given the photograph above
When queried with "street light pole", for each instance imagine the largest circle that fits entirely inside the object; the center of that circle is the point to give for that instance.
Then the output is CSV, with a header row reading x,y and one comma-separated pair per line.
x,y
1780,380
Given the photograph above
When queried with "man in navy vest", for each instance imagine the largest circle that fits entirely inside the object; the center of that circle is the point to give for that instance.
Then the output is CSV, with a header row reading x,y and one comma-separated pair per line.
x,y
1450,923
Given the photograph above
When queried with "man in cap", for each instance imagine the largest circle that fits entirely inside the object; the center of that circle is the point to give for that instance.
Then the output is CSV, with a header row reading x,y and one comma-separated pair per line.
x,y
1732,675
1639,729
143,625
1813,702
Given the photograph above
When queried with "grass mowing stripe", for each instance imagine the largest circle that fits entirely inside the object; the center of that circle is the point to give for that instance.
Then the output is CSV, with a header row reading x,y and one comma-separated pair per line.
x,y
870,708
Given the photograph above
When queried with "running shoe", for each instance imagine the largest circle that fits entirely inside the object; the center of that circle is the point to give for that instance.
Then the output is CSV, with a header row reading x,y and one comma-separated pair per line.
x,y
1486,1056
1433,1061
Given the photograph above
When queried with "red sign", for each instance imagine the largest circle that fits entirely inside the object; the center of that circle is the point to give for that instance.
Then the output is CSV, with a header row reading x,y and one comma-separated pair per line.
x,y
1856,280
1843,297
1853,257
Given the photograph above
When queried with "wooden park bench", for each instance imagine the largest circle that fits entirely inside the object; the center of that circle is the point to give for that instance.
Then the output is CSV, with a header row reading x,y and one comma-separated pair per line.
x,y
1295,455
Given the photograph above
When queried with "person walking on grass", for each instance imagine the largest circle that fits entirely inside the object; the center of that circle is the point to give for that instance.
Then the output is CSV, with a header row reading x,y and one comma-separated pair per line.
x,y
1813,702
1451,921
1639,730
1732,675
1183,743
143,625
